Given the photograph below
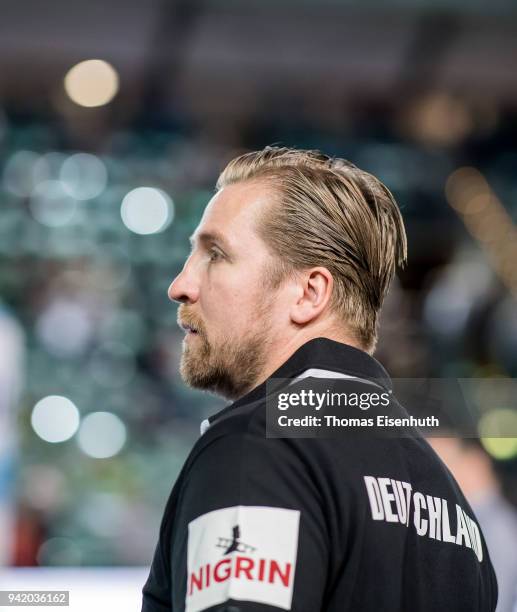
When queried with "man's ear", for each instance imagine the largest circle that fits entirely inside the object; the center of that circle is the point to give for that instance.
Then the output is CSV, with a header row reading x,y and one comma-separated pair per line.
x,y
314,292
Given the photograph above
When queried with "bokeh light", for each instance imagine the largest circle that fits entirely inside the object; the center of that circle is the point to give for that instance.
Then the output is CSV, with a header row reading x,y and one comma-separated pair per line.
x,y
147,210
55,418
48,166
464,185
500,448
20,173
439,118
102,435
51,205
92,83
498,433
486,218
65,327
84,176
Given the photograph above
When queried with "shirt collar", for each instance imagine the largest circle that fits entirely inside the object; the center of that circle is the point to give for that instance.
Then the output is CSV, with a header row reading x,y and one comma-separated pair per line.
x,y
321,353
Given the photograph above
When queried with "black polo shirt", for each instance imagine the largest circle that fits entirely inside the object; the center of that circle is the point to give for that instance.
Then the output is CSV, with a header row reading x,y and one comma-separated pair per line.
x,y
316,524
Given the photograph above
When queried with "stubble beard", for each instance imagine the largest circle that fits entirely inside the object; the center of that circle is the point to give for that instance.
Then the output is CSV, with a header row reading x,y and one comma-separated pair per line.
x,y
230,366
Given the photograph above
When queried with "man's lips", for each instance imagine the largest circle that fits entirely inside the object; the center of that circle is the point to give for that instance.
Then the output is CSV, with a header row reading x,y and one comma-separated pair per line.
x,y
189,329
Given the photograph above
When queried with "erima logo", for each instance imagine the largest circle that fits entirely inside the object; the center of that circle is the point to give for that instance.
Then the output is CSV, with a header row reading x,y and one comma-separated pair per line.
x,y
233,544
244,553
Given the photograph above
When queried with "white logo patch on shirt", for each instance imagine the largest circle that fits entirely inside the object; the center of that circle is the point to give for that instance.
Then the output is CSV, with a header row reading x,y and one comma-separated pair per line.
x,y
242,552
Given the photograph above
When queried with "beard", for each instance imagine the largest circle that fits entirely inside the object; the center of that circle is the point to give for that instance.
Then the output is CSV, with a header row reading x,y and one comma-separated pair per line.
x,y
228,366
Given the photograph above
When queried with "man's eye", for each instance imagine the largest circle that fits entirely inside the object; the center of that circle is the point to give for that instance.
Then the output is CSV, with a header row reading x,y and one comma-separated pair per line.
x,y
214,254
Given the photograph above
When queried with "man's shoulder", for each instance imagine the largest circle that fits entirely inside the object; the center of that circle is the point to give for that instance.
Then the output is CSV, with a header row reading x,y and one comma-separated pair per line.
x,y
244,419
241,431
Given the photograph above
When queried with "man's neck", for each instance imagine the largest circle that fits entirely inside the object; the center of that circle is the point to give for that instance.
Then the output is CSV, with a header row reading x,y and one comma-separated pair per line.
x,y
287,349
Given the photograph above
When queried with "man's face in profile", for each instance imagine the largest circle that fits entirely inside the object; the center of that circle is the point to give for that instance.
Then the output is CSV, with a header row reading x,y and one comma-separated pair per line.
x,y
228,309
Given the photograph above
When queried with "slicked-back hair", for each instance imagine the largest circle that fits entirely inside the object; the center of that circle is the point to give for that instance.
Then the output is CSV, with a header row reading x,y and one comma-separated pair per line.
x,y
327,212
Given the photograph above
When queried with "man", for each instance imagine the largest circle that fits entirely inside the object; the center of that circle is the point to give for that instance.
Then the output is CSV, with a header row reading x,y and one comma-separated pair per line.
x,y
288,271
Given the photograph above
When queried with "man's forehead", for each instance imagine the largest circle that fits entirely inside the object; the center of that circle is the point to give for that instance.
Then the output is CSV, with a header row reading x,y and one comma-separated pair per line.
x,y
233,211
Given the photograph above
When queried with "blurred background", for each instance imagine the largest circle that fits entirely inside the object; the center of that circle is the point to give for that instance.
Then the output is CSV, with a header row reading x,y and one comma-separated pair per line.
x,y
115,121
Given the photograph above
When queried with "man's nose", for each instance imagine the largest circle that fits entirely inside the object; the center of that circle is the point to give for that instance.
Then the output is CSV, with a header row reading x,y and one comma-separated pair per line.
x,y
183,288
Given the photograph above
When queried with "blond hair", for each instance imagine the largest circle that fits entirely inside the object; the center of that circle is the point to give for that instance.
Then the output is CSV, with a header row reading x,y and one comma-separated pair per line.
x,y
329,213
